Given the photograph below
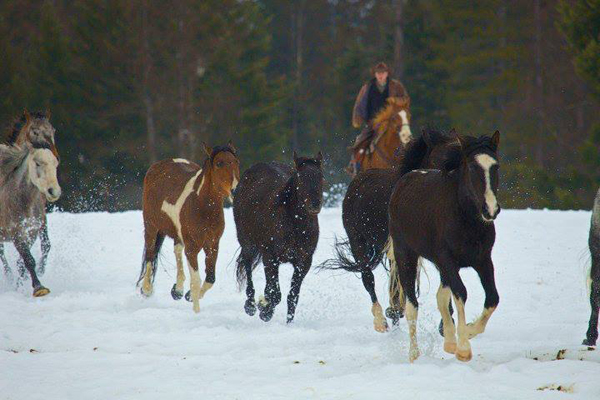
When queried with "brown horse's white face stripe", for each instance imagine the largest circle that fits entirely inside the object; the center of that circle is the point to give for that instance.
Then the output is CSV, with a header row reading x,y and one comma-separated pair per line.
x,y
174,210
486,162
405,133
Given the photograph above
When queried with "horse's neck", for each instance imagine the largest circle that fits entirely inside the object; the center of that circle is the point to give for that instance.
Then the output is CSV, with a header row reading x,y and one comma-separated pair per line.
x,y
291,202
209,194
17,191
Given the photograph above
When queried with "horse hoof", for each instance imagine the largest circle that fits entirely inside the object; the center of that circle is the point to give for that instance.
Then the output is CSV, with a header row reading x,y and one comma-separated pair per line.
x,y
589,342
266,314
175,293
450,347
463,355
188,296
250,307
413,355
40,291
393,314
290,319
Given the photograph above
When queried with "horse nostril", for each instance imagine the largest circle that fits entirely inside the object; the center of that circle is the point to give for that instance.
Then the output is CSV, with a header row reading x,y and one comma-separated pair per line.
x,y
51,192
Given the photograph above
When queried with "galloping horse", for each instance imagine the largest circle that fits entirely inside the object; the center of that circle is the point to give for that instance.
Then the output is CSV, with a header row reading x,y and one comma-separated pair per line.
x,y
275,211
448,218
392,131
365,217
26,174
185,202
36,130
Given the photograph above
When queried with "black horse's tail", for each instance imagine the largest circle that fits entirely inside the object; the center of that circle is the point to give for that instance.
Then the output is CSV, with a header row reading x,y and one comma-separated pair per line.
x,y
153,262
249,257
345,260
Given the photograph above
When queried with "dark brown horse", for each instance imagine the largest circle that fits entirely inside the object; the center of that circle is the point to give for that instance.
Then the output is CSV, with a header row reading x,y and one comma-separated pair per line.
x,y
447,217
365,216
185,202
34,129
275,210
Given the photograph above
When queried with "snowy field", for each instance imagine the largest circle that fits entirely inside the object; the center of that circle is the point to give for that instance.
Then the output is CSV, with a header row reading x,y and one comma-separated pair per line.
x,y
95,337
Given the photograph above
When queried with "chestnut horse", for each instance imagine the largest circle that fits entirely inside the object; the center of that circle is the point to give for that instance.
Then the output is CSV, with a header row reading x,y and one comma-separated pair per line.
x,y
34,129
185,202
448,218
392,130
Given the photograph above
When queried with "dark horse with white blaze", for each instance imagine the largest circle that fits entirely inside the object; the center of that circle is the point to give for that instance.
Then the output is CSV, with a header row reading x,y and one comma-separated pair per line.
x,y
365,216
27,180
276,211
594,274
36,130
447,217
185,202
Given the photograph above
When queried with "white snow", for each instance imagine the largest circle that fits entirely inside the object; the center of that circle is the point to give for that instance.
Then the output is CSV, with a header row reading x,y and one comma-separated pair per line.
x,y
95,337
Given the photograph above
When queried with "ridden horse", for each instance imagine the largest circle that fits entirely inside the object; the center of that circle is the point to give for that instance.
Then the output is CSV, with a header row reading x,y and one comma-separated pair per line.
x,y
275,210
392,130
26,173
365,217
37,130
593,280
185,202
448,218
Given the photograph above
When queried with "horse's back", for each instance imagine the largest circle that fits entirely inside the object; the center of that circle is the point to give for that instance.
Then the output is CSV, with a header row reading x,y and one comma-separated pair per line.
x,y
165,180
261,181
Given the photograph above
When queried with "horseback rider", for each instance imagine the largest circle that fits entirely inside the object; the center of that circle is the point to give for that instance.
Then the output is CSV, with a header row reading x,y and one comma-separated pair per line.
x,y
371,99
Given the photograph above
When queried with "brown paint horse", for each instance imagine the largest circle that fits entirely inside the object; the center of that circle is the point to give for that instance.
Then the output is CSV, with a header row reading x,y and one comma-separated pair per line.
x,y
36,130
392,130
185,202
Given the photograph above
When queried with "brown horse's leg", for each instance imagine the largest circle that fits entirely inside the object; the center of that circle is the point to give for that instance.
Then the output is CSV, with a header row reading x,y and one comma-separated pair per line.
x,y
444,295
150,254
45,245
272,297
300,271
195,281
211,260
177,290
486,275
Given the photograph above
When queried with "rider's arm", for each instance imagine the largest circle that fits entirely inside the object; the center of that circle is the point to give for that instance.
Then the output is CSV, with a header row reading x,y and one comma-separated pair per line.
x,y
359,114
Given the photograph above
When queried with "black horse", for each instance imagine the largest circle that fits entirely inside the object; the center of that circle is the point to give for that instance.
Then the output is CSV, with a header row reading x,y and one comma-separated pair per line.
x,y
594,274
276,211
448,217
365,216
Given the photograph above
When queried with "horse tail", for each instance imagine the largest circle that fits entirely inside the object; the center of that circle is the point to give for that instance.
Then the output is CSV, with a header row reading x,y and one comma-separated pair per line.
x,y
248,258
345,260
396,293
153,262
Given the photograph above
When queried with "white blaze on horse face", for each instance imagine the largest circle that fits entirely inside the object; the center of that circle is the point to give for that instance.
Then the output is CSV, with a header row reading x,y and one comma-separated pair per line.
x,y
486,162
42,165
405,133
181,160
174,210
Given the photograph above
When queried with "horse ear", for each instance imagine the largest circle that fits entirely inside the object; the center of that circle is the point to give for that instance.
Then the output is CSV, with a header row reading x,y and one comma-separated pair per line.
x,y
47,113
496,139
462,142
453,132
320,156
207,149
295,158
28,120
231,146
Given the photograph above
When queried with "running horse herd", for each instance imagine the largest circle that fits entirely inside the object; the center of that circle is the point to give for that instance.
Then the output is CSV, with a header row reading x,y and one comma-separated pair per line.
x,y
437,202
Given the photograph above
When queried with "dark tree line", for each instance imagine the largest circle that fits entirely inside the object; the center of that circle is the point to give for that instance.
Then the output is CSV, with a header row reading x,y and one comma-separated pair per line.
x,y
130,82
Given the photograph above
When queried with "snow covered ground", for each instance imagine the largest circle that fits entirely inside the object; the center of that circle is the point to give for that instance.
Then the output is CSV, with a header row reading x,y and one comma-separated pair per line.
x,y
95,337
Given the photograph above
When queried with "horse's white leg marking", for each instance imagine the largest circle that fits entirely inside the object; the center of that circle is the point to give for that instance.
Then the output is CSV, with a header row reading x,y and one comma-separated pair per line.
x,y
463,349
181,160
174,210
195,283
396,293
486,162
205,288
443,299
379,321
478,326
405,133
180,273
411,318
147,284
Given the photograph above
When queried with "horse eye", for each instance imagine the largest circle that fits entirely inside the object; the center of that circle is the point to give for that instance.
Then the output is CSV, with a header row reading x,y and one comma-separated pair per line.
x,y
220,164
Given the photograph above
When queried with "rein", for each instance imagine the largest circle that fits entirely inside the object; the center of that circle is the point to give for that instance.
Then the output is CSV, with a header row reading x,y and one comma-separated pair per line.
x,y
382,155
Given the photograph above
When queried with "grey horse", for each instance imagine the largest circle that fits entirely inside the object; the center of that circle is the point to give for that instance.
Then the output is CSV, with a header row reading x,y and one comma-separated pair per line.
x,y
26,172
594,274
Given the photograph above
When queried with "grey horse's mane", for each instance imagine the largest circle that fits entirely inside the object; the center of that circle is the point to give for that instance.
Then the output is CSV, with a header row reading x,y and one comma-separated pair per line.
x,y
12,159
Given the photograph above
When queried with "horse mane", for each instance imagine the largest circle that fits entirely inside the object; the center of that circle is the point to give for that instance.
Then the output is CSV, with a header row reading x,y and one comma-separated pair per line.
x,y
470,145
18,124
11,158
418,149
383,118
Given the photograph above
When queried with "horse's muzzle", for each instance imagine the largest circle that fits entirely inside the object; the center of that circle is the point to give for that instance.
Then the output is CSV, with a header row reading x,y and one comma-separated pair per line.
x,y
53,194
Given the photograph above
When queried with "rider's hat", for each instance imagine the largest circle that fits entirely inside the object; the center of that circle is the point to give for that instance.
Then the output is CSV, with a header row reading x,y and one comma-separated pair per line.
x,y
380,67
